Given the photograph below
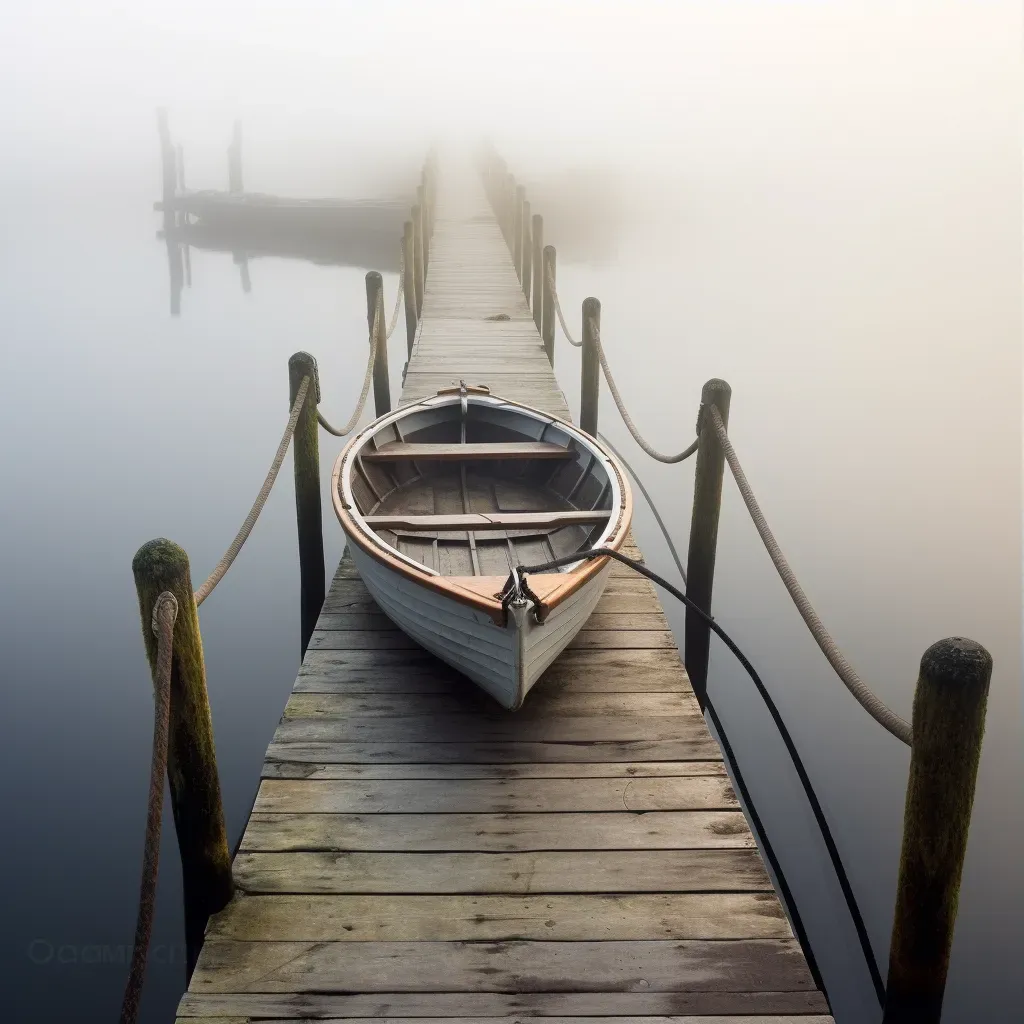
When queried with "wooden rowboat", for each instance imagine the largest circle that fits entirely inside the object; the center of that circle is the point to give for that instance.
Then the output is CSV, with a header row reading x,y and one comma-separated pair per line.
x,y
443,499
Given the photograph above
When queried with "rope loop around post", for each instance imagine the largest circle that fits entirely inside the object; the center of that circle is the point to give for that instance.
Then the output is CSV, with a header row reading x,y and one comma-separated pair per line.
x,y
885,717
558,310
221,568
165,612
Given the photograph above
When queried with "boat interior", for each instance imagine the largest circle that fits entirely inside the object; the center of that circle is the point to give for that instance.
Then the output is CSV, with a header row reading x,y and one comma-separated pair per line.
x,y
473,486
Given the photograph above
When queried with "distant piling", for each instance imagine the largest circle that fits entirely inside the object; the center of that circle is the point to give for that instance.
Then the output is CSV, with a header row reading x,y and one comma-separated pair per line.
x,y
537,260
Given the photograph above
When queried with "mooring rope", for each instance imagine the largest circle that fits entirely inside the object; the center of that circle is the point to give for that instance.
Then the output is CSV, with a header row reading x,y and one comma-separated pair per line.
x,y
261,499
668,460
165,611
398,297
787,739
367,378
885,717
558,309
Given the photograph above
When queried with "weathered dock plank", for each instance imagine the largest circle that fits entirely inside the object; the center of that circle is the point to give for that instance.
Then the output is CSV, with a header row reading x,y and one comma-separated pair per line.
x,y
415,853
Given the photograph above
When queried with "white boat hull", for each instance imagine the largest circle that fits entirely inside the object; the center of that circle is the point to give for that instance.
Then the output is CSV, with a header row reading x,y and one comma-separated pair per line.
x,y
505,661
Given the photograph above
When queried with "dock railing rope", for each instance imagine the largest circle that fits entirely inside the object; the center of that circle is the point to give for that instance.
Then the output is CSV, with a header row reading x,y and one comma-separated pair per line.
x,y
868,700
561,316
357,412
221,568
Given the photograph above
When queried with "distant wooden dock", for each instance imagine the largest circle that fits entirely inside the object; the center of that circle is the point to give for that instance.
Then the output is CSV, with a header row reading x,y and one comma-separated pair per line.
x,y
415,852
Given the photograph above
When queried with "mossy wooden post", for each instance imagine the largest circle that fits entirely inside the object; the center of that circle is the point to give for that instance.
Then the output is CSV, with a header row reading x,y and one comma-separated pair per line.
x,y
409,285
235,159
700,560
527,251
590,373
509,204
417,253
547,324
375,312
191,758
517,229
308,510
421,202
948,725
168,164
537,259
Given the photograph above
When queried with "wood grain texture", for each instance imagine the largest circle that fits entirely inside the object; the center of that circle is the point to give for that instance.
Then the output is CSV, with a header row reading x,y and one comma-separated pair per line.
x,y
415,854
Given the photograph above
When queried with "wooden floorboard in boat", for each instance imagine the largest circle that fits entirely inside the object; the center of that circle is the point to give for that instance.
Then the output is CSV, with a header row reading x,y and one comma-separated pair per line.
x,y
417,854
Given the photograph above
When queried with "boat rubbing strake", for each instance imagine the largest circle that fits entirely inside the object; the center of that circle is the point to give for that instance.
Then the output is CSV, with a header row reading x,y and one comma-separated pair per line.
x,y
440,501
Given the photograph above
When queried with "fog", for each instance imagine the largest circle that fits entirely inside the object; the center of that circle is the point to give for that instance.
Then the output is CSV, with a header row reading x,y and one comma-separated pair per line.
x,y
818,201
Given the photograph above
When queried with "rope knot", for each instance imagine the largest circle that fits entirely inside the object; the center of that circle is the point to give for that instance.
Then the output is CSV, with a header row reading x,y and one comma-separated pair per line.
x,y
165,600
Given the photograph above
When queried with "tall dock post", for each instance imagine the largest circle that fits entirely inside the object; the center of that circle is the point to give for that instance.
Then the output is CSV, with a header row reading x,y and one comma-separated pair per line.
x,y
700,560
417,255
527,251
308,510
517,229
409,284
424,208
948,725
537,291
168,164
508,194
235,159
547,325
590,374
381,381
161,565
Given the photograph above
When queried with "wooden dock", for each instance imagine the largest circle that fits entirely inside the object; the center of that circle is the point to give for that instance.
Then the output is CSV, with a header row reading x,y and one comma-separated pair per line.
x,y
415,852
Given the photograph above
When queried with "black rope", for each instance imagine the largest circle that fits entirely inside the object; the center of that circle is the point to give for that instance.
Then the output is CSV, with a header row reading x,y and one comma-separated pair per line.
x,y
787,739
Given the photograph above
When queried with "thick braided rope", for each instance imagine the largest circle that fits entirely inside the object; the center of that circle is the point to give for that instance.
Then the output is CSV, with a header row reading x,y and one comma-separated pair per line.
x,y
868,701
367,377
624,412
165,611
261,499
398,297
558,309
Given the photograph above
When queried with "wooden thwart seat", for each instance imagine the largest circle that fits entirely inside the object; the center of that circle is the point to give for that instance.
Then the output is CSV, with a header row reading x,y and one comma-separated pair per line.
x,y
396,451
487,521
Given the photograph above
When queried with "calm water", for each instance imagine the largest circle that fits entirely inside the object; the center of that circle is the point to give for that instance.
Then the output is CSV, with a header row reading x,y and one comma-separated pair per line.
x,y
858,282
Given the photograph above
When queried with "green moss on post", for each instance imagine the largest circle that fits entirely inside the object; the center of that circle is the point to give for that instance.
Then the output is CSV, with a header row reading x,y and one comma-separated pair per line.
x,y
191,758
948,725
590,367
381,380
409,285
700,562
308,510
547,324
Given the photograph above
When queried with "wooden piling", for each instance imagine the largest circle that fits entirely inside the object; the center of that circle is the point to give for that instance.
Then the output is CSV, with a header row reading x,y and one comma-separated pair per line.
x,y
409,285
537,259
547,325
421,202
381,381
948,725
417,254
235,159
700,561
168,164
308,509
517,229
161,565
590,374
508,209
527,251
